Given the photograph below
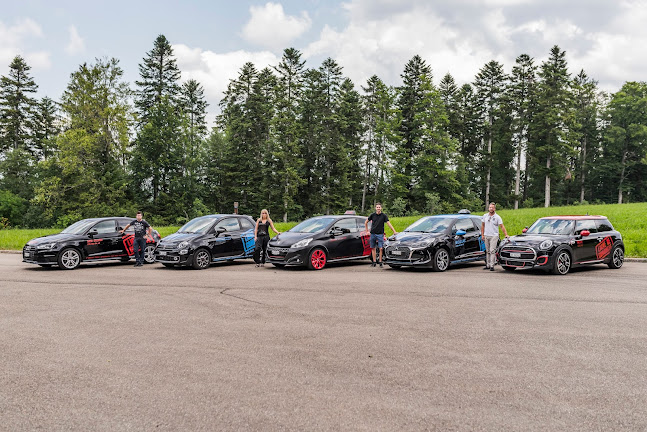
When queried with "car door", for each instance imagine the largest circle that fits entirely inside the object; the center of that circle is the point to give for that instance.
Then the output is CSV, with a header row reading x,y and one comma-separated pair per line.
x,y
584,249
247,235
345,241
227,240
104,240
467,244
481,244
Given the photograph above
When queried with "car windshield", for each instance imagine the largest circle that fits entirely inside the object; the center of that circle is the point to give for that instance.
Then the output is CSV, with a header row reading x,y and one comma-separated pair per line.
x,y
552,227
197,226
79,227
430,225
313,225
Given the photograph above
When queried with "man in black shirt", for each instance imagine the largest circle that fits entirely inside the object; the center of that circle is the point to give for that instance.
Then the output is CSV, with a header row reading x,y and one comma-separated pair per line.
x,y
378,219
141,228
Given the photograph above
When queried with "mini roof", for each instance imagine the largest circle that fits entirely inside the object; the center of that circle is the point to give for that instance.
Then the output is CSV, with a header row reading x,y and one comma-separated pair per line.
x,y
576,217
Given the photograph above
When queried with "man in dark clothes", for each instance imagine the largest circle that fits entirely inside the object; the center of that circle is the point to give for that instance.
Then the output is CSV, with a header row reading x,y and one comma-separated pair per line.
x,y
141,228
378,219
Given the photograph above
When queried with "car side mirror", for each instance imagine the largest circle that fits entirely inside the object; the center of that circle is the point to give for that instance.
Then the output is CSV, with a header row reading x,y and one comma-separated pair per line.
x,y
524,230
461,232
337,231
219,231
585,233
93,232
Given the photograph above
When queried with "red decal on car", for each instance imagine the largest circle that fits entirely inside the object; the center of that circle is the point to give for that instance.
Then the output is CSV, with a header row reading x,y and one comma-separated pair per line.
x,y
129,240
94,242
603,249
366,242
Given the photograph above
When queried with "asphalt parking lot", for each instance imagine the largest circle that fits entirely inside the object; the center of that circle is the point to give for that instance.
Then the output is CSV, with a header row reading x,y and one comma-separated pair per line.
x,y
111,348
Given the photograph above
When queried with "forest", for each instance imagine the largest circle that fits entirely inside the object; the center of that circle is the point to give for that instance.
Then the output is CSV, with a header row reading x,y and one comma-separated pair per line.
x,y
304,141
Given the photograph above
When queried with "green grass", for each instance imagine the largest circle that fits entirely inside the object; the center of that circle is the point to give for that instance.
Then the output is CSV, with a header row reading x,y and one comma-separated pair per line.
x,y
629,219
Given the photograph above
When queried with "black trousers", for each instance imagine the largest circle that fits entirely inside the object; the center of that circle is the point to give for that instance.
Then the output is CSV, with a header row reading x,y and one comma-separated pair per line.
x,y
260,249
139,242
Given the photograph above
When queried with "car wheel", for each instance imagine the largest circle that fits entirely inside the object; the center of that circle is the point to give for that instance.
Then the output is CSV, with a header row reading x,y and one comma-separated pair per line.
x,y
278,265
395,266
149,254
69,259
508,268
201,259
167,265
441,260
317,259
562,263
617,258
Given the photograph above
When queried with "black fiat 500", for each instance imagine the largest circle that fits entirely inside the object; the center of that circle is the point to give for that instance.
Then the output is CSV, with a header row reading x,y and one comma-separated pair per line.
x,y
320,240
87,240
437,242
559,243
208,239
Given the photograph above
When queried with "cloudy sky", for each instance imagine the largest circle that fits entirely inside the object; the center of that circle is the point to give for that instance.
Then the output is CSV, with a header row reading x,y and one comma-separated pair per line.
x,y
213,39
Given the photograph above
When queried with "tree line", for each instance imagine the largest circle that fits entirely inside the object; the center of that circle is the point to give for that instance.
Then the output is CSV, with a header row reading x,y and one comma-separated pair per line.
x,y
305,141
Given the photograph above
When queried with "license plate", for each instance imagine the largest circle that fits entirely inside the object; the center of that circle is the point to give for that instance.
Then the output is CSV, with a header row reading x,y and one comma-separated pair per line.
x,y
396,252
162,252
515,254
275,252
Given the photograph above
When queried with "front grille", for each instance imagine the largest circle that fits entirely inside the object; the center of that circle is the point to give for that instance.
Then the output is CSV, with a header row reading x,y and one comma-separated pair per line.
x,y
166,247
29,252
398,252
525,253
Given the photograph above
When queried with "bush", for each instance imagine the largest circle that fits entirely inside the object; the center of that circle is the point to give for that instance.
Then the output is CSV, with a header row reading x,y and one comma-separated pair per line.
x,y
68,219
398,207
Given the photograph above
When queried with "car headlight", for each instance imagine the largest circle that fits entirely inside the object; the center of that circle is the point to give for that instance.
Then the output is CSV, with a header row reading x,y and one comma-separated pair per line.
x,y
546,244
46,246
302,243
183,245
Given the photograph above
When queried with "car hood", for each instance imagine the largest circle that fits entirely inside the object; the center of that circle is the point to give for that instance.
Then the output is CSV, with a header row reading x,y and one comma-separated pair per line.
x,y
535,239
287,239
177,238
55,238
405,238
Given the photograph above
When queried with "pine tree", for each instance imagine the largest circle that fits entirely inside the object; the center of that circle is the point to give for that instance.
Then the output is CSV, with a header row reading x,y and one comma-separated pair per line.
x,y
17,106
587,105
47,125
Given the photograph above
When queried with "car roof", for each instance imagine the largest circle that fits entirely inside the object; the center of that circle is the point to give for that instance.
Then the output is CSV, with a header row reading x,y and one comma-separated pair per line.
x,y
576,217
456,215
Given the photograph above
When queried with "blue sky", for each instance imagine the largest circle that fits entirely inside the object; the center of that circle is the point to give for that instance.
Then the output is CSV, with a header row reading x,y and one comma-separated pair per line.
x,y
212,39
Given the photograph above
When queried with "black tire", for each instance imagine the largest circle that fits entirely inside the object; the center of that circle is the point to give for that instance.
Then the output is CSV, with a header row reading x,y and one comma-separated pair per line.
x,y
440,262
317,259
508,268
149,254
201,259
167,265
395,266
617,258
69,258
562,263
278,265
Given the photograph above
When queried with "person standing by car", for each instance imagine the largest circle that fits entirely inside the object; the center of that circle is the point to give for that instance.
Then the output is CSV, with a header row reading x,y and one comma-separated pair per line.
x,y
262,237
378,219
490,224
142,228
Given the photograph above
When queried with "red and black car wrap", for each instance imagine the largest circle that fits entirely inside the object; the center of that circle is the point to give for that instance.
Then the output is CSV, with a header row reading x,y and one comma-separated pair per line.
x,y
321,240
88,240
559,243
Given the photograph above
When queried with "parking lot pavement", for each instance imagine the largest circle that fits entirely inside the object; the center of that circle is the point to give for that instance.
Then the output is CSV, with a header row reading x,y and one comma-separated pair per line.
x,y
112,347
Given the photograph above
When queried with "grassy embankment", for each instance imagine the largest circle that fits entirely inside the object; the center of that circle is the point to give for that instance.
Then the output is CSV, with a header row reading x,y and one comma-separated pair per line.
x,y
629,219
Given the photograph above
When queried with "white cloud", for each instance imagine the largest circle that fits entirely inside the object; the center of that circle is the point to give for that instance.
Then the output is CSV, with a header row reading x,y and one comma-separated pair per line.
x,y
215,70
13,40
76,45
270,27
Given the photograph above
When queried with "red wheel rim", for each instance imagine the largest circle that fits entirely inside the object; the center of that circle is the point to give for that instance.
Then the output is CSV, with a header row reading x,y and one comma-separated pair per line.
x,y
318,259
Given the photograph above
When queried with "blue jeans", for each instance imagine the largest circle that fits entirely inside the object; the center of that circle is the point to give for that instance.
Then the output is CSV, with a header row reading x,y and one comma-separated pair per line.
x,y
377,240
139,242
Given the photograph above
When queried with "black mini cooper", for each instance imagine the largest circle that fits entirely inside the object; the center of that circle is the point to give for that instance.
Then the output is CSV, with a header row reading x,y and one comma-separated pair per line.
x,y
87,240
437,242
559,243
320,240
208,239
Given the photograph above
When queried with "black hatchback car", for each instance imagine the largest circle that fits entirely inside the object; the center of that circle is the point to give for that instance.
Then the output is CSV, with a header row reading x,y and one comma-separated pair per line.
x,y
437,242
320,240
87,240
559,243
208,239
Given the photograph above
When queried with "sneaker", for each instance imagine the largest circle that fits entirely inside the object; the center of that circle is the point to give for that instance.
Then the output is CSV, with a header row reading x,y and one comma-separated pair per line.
x,y
486,268
136,265
372,264
381,265
258,265
491,268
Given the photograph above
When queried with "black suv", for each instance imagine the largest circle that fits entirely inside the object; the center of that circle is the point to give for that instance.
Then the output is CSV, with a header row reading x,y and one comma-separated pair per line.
x,y
87,240
208,239
436,242
320,240
559,243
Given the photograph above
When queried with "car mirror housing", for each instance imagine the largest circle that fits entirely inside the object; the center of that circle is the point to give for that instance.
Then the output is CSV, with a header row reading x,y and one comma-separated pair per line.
x,y
524,230
461,232
337,231
93,232
585,233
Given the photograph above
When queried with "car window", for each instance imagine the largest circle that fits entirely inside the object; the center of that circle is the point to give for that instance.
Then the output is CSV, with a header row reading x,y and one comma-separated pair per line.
x,y
464,224
312,225
551,226
477,223
105,227
349,223
604,225
229,224
246,224
587,224
431,224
